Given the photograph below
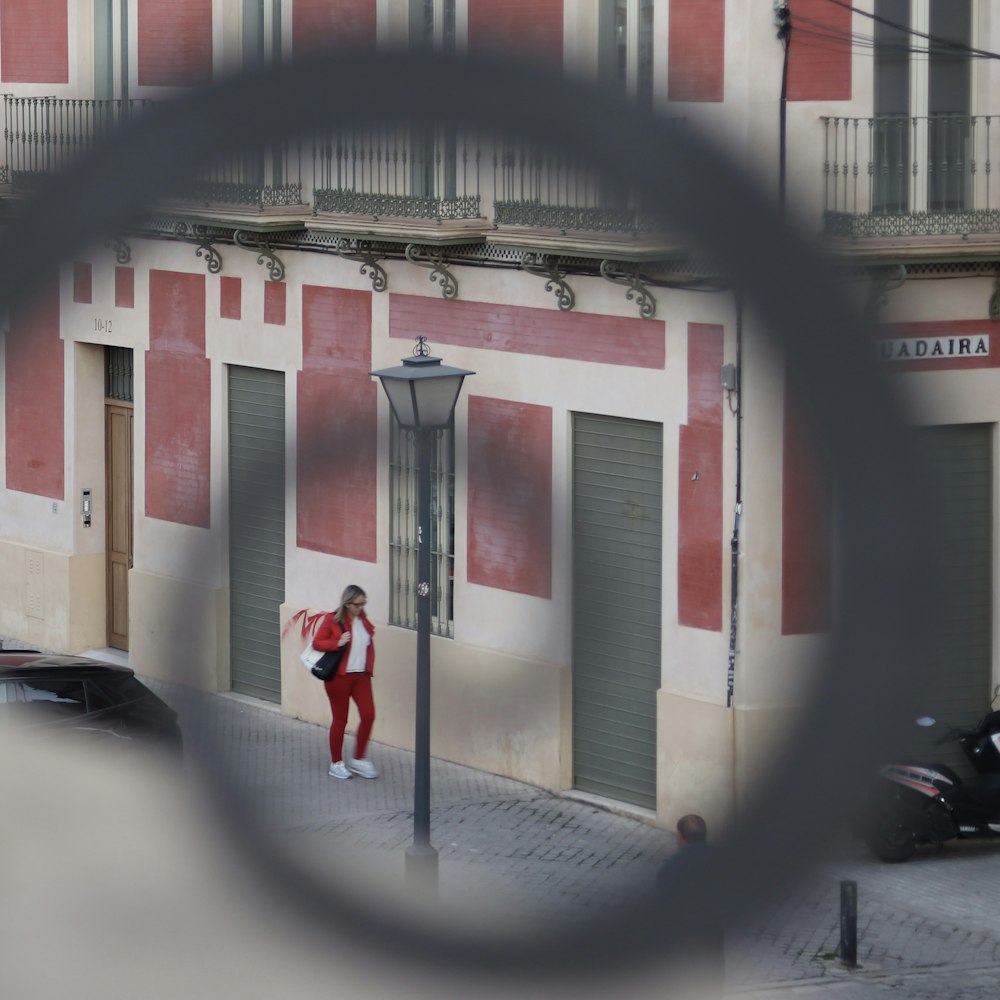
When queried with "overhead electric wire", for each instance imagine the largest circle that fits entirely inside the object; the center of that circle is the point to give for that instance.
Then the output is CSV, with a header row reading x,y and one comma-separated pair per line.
x,y
960,48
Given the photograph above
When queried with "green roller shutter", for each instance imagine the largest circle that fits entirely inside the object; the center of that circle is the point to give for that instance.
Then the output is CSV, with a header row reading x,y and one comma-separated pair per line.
x,y
256,529
958,692
617,605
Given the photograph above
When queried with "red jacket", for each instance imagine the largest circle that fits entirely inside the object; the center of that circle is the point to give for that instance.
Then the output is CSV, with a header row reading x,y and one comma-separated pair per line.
x,y
327,639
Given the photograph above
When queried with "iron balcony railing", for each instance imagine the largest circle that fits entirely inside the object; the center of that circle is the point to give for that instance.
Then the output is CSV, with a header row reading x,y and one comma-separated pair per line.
x,y
43,135
378,174
902,175
542,189
381,173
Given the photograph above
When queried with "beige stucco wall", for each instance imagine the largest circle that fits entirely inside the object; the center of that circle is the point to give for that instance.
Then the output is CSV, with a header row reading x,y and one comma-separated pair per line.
x,y
179,630
50,599
694,760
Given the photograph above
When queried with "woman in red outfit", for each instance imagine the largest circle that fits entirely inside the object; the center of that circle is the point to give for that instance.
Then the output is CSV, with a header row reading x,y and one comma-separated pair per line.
x,y
349,626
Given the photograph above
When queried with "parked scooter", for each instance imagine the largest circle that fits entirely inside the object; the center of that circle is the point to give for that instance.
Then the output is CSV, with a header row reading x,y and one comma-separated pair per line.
x,y
920,803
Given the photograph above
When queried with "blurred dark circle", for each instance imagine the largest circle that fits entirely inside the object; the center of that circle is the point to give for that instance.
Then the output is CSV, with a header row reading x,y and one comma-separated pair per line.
x,y
887,558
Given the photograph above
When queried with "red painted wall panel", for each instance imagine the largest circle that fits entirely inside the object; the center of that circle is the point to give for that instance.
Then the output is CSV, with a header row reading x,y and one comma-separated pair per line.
x,y
608,340
230,298
699,552
531,28
697,50
336,465
510,496
175,43
274,302
83,291
819,56
337,331
125,287
705,344
34,44
806,531
699,485
330,22
35,386
178,401
337,425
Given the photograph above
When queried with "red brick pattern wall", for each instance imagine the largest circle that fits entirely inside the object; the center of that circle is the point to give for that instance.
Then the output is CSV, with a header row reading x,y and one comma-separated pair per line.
x,y
83,291
35,384
178,401
124,287
175,43
274,302
806,530
34,45
510,496
819,56
608,340
697,54
699,485
519,27
337,425
330,22
230,298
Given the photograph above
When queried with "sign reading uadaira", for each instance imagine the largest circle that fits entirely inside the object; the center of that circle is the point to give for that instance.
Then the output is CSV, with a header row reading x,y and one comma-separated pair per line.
x,y
975,345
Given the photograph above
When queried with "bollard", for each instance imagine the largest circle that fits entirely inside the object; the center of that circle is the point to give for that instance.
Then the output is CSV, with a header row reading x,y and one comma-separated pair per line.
x,y
849,923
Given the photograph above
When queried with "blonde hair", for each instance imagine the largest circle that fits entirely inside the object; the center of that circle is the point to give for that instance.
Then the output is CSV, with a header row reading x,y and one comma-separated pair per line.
x,y
351,593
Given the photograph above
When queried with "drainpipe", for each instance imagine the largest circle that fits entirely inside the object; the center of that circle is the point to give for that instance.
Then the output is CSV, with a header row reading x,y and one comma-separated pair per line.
x,y
734,561
783,22
734,543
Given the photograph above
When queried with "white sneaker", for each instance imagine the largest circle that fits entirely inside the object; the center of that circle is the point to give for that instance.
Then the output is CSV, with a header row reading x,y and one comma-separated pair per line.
x,y
363,768
337,770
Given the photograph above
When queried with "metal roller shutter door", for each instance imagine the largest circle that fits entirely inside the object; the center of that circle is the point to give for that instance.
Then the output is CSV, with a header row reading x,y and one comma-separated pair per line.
x,y
617,605
958,693
256,529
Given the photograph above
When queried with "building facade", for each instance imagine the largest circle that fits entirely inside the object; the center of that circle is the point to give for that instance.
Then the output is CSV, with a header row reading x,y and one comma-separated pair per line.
x,y
632,543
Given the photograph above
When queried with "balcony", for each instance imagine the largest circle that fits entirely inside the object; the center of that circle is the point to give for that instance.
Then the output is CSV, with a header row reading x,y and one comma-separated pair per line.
x,y
398,185
911,182
549,203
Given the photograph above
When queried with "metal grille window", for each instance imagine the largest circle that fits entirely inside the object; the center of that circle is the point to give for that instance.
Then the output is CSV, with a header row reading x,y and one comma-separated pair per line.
x,y
403,479
118,373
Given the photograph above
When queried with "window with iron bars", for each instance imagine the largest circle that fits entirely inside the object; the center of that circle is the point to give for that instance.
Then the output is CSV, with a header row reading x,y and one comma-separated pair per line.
x,y
118,373
403,516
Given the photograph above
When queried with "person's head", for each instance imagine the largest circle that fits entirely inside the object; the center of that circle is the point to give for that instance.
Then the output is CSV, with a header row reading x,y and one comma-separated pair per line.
x,y
691,829
352,603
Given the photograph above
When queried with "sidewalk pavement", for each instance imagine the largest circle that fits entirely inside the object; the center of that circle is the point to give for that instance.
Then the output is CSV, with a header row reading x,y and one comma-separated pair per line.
x,y
926,928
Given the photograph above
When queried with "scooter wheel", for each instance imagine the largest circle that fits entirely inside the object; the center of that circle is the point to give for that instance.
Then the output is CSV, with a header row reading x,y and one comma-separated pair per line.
x,y
889,842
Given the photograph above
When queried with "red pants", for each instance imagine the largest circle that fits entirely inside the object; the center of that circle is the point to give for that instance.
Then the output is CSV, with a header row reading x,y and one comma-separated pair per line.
x,y
340,690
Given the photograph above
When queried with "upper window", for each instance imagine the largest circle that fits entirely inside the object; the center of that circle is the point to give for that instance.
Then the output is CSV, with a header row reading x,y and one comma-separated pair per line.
x,y
625,40
432,24
922,104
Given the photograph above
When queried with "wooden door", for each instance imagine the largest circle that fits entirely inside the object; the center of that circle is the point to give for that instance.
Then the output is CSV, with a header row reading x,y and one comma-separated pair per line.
x,y
118,466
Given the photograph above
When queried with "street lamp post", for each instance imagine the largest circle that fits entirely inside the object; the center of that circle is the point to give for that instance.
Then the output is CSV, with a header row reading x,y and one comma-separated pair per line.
x,y
422,393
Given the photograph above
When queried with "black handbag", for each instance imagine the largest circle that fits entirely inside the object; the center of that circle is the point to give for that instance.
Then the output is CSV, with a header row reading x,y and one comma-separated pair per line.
x,y
327,664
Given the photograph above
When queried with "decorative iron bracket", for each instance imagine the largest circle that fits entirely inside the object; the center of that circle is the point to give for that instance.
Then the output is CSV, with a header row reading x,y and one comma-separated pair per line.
x,y
436,263
255,242
123,252
361,252
886,280
198,234
628,274
544,266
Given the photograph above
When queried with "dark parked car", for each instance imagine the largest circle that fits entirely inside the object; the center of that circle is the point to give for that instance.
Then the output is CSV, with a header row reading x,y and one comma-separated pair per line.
x,y
104,702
